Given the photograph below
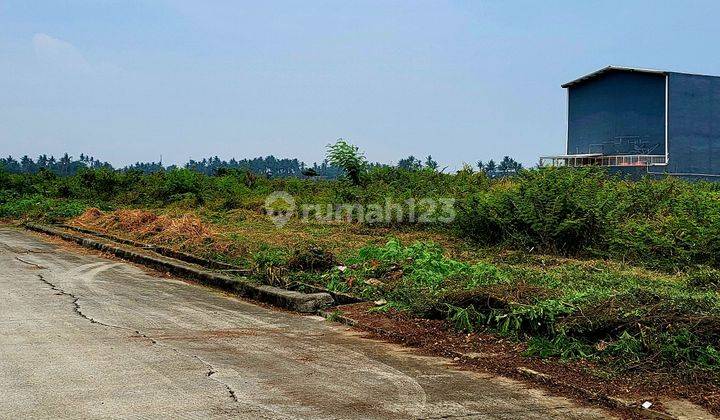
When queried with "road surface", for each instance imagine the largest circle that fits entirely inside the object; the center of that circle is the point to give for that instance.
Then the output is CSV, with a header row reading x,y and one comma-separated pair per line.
x,y
82,336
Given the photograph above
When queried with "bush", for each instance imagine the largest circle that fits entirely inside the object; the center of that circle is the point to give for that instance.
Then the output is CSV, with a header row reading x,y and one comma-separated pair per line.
x,y
269,265
37,207
555,210
668,224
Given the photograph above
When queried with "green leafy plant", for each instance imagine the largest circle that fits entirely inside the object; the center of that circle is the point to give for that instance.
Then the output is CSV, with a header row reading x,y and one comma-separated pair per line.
x,y
464,319
269,264
348,157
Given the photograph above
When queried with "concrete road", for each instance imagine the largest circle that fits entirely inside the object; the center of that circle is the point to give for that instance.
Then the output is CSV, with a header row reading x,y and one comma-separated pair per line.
x,y
86,337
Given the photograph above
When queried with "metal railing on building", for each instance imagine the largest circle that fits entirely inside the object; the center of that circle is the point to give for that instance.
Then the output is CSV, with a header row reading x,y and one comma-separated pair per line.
x,y
598,159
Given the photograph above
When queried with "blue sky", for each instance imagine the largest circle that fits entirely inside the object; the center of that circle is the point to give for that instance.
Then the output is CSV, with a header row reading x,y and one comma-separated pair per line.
x,y
129,81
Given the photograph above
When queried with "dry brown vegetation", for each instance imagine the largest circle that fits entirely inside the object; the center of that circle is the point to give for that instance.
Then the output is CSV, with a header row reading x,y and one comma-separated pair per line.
x,y
239,233
186,231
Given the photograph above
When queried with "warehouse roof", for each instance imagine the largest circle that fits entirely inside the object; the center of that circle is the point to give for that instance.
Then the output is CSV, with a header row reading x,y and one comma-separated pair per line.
x,y
609,69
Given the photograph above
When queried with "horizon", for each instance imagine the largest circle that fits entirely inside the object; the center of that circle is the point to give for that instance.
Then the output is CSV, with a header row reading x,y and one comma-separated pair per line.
x,y
461,81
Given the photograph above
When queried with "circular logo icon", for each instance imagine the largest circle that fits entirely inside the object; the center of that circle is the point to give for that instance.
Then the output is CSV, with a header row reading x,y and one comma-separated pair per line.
x,y
280,206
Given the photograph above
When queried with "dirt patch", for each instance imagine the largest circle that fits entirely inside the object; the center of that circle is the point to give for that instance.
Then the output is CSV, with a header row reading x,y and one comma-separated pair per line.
x,y
490,353
89,216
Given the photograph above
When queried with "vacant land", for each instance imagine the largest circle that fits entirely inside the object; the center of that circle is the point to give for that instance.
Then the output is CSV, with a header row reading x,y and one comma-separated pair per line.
x,y
618,278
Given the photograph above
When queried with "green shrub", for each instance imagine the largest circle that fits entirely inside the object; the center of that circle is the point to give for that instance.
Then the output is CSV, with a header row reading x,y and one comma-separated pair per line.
x,y
668,224
269,265
37,207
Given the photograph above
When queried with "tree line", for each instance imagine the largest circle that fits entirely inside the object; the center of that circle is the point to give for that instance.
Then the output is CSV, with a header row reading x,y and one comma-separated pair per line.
x,y
269,166
66,165
507,165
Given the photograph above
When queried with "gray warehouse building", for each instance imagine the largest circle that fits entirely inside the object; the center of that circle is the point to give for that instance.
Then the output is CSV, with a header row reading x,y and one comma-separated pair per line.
x,y
643,121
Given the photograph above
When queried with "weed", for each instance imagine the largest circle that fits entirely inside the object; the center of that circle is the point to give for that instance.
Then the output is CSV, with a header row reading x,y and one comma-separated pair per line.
x,y
464,319
561,346
335,316
704,278
269,264
389,306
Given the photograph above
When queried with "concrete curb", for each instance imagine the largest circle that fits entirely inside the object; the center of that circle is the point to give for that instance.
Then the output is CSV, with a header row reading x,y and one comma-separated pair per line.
x,y
339,297
162,250
608,400
533,375
296,301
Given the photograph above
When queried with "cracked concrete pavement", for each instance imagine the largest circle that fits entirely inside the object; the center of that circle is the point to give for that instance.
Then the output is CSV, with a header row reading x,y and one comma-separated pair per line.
x,y
86,337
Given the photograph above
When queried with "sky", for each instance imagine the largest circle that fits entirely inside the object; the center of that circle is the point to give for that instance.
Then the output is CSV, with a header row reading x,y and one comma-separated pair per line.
x,y
463,81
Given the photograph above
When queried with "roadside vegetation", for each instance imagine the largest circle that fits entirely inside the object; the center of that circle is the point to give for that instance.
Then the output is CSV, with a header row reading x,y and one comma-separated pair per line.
x,y
576,264
627,318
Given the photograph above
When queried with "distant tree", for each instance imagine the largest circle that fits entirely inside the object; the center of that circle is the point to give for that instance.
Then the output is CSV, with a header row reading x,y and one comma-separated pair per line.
x,y
410,163
280,168
145,167
349,158
27,165
269,165
509,164
64,164
309,172
10,164
490,166
430,163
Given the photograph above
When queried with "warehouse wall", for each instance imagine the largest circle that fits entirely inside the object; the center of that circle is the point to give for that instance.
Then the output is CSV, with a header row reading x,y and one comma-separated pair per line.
x,y
617,104
694,123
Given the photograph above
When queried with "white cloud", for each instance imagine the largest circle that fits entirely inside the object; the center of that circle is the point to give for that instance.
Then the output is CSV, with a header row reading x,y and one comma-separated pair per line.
x,y
59,54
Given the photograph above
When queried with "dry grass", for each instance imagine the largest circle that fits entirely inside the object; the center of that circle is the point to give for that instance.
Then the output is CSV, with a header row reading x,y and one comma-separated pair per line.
x,y
186,231
238,233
